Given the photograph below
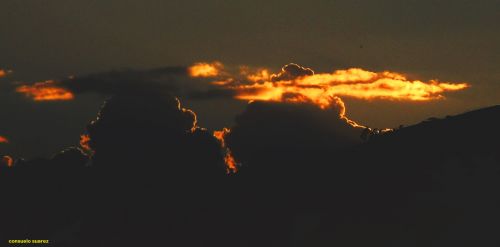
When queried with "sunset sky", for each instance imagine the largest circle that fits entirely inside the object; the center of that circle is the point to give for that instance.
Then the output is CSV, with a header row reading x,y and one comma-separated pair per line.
x,y
42,41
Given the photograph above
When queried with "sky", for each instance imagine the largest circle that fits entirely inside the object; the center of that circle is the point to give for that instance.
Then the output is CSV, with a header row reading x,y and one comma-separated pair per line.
x,y
453,41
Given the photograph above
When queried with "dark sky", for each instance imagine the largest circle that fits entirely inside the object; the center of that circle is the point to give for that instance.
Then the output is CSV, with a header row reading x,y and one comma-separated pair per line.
x,y
453,41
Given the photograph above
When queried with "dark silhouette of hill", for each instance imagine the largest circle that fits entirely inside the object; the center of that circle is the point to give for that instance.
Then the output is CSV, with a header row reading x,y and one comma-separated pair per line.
x,y
467,133
158,179
433,183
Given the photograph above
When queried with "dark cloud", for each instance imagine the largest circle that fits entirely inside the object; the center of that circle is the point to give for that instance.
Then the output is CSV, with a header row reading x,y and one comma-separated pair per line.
x,y
215,93
151,162
126,81
152,129
288,129
291,71
169,80
159,167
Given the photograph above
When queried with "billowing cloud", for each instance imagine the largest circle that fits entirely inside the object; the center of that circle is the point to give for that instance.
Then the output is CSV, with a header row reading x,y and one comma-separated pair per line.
x,y
274,128
151,127
290,72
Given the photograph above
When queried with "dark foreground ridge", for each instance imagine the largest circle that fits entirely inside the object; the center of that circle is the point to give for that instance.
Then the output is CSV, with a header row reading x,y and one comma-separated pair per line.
x,y
157,179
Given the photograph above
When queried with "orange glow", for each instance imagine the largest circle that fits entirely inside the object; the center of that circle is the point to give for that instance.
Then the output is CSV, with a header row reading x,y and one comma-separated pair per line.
x,y
297,84
319,88
9,161
356,83
231,165
259,75
205,69
45,91
85,144
4,139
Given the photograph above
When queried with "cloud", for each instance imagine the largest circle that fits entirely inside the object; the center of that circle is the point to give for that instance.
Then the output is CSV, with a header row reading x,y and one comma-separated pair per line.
x,y
205,69
203,81
150,160
354,82
107,83
274,128
126,81
45,91
159,166
149,128
303,83
291,71
298,84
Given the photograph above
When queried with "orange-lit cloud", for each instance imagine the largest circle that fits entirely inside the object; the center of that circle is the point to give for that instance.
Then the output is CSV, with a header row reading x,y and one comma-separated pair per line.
x,y
255,75
205,69
85,144
231,165
298,84
355,82
4,139
45,91
294,82
7,160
